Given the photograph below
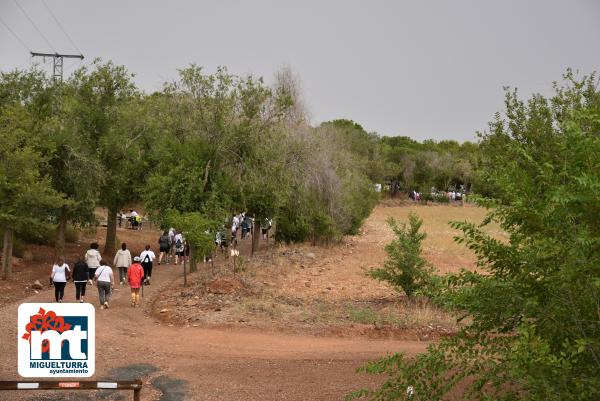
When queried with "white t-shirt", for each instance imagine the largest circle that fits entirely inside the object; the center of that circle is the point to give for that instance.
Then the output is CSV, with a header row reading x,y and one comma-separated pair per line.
x,y
150,255
178,236
59,273
103,273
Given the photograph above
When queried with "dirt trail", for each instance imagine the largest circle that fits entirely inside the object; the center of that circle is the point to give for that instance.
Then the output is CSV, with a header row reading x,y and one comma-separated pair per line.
x,y
194,363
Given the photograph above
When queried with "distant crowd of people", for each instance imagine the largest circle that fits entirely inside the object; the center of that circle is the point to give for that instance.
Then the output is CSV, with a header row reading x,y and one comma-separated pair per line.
x,y
243,224
451,195
134,219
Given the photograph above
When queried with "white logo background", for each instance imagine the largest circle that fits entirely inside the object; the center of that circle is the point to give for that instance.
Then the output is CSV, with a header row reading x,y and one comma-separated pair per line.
x,y
56,367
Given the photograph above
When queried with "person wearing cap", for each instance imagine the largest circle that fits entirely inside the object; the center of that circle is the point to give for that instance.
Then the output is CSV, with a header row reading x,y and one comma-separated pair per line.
x,y
135,275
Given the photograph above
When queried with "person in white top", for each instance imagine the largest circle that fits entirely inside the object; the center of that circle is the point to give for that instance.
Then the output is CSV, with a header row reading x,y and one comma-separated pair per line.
x,y
92,259
122,262
146,257
60,274
179,247
105,280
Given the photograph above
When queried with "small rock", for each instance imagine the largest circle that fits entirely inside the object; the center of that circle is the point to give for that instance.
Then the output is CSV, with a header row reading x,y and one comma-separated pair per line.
x,y
191,302
307,284
37,285
217,309
311,255
328,288
164,310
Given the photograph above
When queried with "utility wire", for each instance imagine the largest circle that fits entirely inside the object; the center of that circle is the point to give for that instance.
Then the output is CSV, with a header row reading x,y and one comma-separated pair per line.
x,y
35,26
61,27
15,35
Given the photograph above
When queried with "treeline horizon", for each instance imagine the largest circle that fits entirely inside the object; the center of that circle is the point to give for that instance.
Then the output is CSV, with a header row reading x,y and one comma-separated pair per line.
x,y
206,146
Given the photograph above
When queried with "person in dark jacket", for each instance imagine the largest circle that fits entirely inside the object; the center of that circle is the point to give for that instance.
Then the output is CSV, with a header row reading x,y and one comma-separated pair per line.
x,y
80,278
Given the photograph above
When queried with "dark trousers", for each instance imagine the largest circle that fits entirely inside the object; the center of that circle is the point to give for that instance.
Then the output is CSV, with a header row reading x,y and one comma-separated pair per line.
x,y
92,272
59,290
147,269
80,290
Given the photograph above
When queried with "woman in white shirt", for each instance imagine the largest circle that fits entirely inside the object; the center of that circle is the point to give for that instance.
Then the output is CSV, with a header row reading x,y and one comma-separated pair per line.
x,y
92,258
106,281
146,257
60,274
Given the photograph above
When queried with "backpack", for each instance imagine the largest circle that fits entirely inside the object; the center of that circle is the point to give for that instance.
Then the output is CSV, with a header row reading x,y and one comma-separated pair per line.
x,y
178,243
164,240
146,259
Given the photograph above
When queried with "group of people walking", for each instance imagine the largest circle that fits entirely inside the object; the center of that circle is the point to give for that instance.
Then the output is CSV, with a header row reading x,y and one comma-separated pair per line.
x,y
172,246
91,268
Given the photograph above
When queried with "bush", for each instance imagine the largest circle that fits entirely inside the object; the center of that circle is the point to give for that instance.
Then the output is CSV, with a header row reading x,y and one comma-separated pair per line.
x,y
405,267
46,234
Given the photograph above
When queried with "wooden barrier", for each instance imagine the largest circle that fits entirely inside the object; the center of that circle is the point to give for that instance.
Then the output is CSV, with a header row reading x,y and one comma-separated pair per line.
x,y
135,385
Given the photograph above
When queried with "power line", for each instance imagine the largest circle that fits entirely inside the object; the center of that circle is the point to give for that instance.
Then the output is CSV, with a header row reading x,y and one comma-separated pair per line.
x,y
61,27
15,35
35,26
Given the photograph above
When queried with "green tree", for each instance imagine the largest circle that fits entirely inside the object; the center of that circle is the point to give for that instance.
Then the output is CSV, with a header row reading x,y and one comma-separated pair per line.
x,y
533,331
405,267
106,116
26,194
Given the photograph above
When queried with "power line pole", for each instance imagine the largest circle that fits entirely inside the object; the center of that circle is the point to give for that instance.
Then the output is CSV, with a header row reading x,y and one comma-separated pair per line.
x,y
57,71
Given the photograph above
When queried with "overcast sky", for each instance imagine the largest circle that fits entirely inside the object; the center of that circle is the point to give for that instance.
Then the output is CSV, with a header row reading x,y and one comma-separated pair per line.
x,y
425,69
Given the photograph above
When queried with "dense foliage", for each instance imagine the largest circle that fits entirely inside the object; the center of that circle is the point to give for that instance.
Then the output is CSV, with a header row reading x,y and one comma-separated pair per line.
x,y
533,329
405,268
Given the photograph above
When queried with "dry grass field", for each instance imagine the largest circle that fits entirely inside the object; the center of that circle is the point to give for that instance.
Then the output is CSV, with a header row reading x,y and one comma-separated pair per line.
x,y
323,290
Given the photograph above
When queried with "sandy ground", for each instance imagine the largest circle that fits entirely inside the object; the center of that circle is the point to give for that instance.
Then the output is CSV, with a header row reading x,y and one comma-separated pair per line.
x,y
183,362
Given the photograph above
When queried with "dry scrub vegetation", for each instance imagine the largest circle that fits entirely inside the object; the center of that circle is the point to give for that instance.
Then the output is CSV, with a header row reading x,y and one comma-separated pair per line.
x,y
324,290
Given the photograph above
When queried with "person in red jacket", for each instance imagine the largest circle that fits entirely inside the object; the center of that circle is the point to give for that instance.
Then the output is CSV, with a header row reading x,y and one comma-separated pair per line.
x,y
135,276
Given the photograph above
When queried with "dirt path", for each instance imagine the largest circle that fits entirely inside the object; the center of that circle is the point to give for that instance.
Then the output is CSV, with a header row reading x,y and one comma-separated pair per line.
x,y
194,363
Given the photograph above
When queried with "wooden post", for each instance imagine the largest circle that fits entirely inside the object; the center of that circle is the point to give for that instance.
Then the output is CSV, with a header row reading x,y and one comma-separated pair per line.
x,y
184,267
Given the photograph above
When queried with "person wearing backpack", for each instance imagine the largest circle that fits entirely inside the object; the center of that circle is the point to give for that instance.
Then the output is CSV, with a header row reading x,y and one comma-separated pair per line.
x,y
80,278
147,256
92,259
122,262
59,276
164,244
179,247
135,275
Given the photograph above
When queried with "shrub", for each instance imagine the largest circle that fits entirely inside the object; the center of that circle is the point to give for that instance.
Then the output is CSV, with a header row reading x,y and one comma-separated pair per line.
x,y
405,268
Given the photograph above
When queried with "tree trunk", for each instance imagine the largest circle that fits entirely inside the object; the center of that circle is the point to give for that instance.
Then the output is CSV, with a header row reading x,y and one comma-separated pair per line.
x,y
193,260
184,269
111,231
61,231
7,254
255,236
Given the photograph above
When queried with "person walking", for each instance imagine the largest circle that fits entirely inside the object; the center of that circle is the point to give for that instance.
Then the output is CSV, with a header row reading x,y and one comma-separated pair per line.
x,y
106,281
179,247
164,245
93,259
80,278
171,256
59,276
135,275
147,256
122,262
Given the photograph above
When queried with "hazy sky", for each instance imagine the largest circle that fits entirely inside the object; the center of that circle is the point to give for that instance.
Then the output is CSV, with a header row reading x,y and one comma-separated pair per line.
x,y
425,69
